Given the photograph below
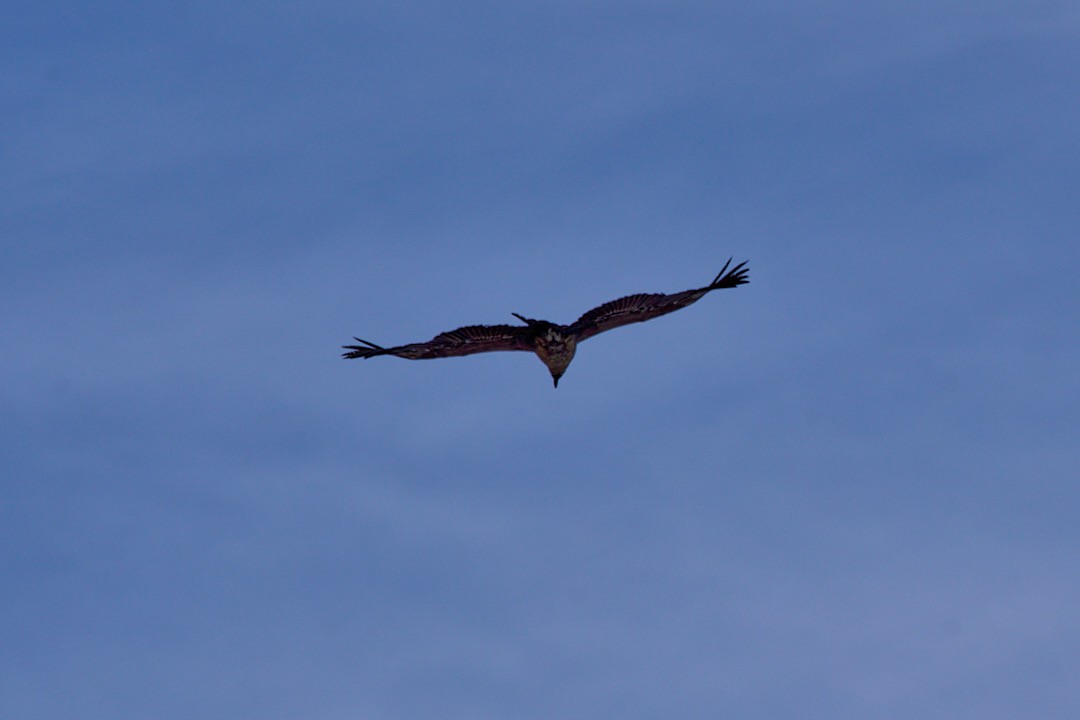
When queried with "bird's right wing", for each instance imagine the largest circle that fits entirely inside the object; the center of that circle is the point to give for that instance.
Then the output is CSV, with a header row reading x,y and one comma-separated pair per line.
x,y
466,340
639,308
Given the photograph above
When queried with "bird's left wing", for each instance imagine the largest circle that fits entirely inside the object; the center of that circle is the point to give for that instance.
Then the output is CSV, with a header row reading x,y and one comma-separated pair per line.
x,y
466,340
639,308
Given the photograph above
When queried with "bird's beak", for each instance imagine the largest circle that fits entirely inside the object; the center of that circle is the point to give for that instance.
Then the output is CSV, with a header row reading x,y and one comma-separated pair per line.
x,y
556,379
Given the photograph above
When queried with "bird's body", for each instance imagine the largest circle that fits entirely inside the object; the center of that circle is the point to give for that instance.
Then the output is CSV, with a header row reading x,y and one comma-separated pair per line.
x,y
554,344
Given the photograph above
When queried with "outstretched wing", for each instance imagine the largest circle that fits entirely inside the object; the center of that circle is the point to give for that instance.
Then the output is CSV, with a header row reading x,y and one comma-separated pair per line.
x,y
639,308
463,341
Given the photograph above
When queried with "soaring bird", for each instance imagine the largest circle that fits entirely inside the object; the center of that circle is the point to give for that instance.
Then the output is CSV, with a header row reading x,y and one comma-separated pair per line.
x,y
555,345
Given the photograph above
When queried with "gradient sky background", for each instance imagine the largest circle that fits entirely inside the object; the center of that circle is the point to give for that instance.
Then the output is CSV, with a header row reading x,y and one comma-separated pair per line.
x,y
847,490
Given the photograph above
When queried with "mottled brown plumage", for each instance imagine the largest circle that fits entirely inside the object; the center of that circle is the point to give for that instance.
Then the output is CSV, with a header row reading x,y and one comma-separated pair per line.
x,y
555,345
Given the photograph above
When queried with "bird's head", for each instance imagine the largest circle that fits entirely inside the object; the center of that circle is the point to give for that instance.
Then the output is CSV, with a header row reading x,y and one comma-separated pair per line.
x,y
555,349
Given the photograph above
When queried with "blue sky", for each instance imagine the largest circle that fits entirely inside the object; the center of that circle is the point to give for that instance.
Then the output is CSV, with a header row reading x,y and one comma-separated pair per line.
x,y
849,489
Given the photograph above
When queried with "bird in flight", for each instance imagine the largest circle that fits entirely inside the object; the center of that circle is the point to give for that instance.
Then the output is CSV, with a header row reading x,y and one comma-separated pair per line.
x,y
555,345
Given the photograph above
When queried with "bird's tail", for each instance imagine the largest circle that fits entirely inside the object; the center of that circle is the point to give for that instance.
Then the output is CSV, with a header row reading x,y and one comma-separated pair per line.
x,y
528,321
